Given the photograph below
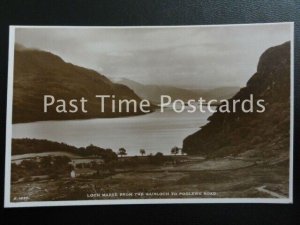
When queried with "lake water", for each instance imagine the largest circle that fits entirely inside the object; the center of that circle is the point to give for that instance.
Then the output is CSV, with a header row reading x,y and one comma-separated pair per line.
x,y
154,132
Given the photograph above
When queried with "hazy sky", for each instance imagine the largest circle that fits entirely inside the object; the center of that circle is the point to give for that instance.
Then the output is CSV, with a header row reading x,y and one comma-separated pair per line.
x,y
196,57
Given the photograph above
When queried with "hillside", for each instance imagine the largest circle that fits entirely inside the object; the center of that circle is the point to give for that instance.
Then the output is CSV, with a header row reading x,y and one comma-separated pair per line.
x,y
27,146
153,92
265,133
38,73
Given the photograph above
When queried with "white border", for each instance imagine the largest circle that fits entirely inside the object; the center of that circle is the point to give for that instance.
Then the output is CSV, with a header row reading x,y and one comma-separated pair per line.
x,y
291,171
9,204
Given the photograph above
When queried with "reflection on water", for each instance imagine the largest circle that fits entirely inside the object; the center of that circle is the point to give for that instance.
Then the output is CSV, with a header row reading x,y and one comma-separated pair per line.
x,y
154,132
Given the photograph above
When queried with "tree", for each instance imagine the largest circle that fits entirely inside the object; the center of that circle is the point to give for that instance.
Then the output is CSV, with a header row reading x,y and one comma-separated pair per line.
x,y
122,152
175,150
142,151
159,155
109,155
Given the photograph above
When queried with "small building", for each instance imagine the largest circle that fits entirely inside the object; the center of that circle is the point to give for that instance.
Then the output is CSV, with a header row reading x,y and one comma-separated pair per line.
x,y
73,174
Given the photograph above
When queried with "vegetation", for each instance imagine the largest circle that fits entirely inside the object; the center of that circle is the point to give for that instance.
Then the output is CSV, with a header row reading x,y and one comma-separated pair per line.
x,y
175,150
122,152
96,162
52,166
26,145
138,162
143,152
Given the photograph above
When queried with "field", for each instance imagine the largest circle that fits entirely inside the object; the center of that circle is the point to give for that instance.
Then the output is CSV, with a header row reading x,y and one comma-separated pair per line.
x,y
182,177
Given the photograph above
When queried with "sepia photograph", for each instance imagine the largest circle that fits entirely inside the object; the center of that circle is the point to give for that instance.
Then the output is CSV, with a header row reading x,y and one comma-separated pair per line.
x,y
149,114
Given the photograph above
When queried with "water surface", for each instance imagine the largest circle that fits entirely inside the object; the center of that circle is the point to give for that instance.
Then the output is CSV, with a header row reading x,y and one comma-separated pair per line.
x,y
154,132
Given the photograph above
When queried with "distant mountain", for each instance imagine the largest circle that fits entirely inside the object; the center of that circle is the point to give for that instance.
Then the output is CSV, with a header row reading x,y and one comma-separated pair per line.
x,y
154,92
38,73
265,133
220,93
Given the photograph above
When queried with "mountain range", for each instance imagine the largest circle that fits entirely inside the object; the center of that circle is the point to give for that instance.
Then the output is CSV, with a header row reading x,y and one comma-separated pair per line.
x,y
38,73
153,92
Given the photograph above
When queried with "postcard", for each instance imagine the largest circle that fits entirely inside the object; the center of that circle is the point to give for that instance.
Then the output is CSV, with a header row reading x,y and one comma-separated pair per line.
x,y
149,115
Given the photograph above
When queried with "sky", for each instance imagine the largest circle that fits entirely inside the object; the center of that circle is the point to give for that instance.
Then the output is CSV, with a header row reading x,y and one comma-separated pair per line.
x,y
188,57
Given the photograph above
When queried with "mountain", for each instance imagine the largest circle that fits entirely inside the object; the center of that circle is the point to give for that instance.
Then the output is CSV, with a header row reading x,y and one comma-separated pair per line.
x,y
153,92
38,73
220,93
265,133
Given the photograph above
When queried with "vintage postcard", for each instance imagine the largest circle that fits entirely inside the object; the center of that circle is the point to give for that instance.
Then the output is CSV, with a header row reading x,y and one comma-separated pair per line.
x,y
139,115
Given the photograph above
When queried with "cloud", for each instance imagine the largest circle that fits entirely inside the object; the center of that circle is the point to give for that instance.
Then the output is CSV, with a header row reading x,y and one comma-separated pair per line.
x,y
206,56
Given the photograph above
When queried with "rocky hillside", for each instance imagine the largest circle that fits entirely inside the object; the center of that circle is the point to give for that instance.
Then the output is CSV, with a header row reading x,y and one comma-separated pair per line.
x,y
38,73
266,133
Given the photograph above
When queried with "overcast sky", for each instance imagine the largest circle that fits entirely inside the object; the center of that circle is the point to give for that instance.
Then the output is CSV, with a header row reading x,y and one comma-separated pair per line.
x,y
195,57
